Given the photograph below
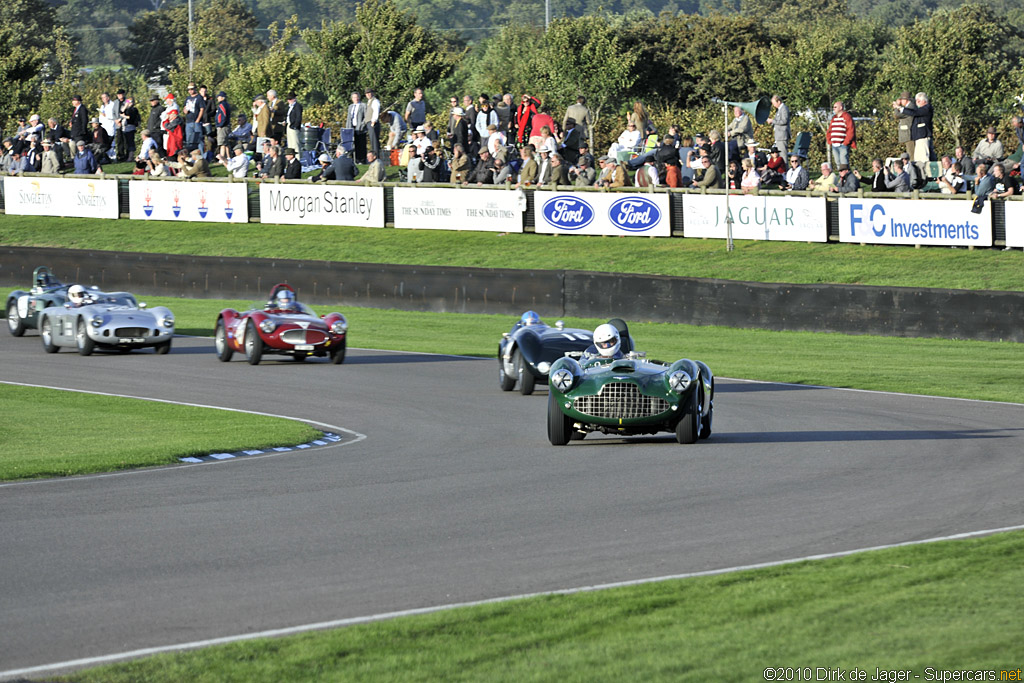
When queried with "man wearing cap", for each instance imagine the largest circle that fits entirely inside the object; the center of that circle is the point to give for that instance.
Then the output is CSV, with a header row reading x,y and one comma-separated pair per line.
x,y
582,174
990,149
460,129
325,167
99,140
846,182
242,133
197,166
375,172
292,166
238,165
780,124
85,161
222,122
51,162
79,120
293,122
153,120
915,176
261,120
373,122
356,120
483,172
905,121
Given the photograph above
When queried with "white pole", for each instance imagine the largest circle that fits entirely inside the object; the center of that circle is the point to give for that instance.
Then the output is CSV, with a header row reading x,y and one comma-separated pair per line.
x,y
547,14
191,52
728,215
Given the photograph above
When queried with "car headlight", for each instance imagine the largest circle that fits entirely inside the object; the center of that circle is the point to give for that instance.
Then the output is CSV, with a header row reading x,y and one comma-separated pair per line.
x,y
544,367
562,380
339,326
679,381
97,320
167,322
268,326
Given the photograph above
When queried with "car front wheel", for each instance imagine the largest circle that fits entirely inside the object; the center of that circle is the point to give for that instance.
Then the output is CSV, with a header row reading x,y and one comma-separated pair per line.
x,y
559,424
526,381
14,322
220,340
688,427
506,381
253,344
338,352
85,343
46,334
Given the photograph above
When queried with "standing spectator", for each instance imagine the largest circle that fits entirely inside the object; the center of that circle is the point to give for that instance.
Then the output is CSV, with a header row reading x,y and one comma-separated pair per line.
x,y
396,130
460,129
878,177
504,110
569,142
222,123
639,118
921,129
292,166
207,135
373,122
174,130
109,120
581,115
356,120
846,182
79,120
470,118
195,114
486,121
120,138
293,122
989,149
416,110
523,119
780,125
130,120
278,114
85,161
716,151
153,120
668,156
841,134
51,162
529,169
898,181
905,121
375,172
261,120
541,120
796,177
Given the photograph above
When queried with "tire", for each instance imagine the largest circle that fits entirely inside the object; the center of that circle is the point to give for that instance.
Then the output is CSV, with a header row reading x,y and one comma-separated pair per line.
x,y
85,343
688,427
253,343
300,357
523,376
14,322
338,352
705,422
220,340
163,348
559,424
505,381
46,334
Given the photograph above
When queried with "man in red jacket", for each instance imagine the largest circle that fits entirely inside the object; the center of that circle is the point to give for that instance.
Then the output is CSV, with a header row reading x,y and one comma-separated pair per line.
x,y
841,134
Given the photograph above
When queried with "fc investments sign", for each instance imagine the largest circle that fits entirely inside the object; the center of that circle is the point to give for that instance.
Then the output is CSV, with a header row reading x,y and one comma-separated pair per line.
x,y
177,200
309,204
796,219
942,222
78,198
594,213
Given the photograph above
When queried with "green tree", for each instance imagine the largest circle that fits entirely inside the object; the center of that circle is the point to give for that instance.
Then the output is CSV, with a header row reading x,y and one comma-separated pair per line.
x,y
280,69
56,99
510,61
26,39
960,59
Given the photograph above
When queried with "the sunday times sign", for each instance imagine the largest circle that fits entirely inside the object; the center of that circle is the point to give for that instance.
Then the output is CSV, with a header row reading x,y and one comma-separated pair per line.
x,y
452,209
601,213
794,219
70,197
941,222
313,204
176,200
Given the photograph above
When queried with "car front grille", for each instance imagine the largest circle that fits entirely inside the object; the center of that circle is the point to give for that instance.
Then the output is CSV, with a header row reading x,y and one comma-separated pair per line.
x,y
303,337
620,400
131,331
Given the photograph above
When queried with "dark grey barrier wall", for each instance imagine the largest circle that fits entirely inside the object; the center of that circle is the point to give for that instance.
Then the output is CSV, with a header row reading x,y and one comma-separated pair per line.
x,y
850,309
890,311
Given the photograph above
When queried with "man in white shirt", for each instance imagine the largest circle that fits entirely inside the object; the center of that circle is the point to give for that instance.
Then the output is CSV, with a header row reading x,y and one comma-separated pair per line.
x,y
373,122
238,165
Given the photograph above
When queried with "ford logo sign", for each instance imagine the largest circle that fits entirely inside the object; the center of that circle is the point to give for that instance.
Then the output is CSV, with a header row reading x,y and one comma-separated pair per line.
x,y
568,213
635,214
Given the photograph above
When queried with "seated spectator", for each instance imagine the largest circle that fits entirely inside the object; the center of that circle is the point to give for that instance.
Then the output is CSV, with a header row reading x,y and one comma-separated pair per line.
x,y
952,182
421,141
51,161
148,145
432,165
33,156
878,177
827,181
796,177
759,160
914,172
430,132
18,165
196,166
735,174
325,166
502,171
273,163
898,181
716,150
5,160
155,165
100,144
461,164
708,177
846,182
984,183
582,175
751,180
667,156
529,170
628,141
966,163
559,174
618,176
292,165
496,142
241,134
85,160
584,149
1005,184
774,168
989,149
547,141
238,165
375,172
483,172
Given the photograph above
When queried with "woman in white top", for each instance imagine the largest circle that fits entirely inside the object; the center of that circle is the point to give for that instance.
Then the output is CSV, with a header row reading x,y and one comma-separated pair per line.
x,y
751,179
156,165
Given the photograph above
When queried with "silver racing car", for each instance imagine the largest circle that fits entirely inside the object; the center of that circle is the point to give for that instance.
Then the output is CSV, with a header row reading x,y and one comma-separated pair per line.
x,y
92,320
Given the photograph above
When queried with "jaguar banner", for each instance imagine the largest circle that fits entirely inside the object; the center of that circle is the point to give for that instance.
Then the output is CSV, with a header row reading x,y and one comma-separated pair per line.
x,y
176,200
794,219
601,213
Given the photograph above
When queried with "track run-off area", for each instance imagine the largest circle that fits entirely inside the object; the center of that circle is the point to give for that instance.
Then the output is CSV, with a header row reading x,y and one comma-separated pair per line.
x,y
445,490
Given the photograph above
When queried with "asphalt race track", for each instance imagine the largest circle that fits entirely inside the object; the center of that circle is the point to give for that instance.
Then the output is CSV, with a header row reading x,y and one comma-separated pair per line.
x,y
455,495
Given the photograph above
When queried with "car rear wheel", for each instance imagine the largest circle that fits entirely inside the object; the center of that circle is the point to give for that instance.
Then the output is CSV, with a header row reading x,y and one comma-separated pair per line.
x,y
526,381
253,344
163,348
687,429
220,340
506,381
559,424
14,322
338,352
85,343
46,334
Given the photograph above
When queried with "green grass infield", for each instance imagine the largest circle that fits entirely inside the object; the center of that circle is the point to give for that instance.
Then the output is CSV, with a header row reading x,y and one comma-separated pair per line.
x,y
939,367
754,261
106,433
929,610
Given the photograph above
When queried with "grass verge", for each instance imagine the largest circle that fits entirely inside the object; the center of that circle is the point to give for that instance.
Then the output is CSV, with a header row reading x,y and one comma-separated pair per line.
x,y
945,606
939,367
751,261
104,433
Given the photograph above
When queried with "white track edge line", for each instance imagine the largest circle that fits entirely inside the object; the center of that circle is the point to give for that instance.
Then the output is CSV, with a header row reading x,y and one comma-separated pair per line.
x,y
351,621
357,437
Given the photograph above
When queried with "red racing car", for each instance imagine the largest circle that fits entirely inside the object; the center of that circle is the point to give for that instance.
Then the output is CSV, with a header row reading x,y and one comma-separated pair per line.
x,y
281,326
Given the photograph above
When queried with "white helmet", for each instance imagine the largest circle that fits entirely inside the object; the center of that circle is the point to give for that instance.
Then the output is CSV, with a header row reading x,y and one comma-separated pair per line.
x,y
76,294
285,299
606,339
